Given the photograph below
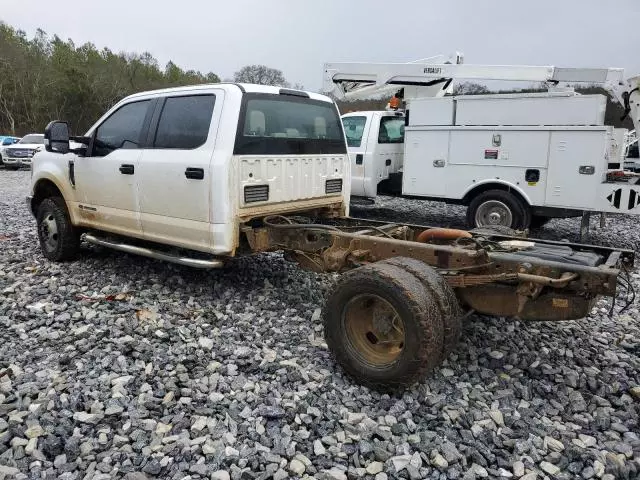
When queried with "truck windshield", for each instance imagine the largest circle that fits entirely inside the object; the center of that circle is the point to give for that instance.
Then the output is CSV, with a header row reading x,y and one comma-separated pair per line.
x,y
287,125
354,129
32,139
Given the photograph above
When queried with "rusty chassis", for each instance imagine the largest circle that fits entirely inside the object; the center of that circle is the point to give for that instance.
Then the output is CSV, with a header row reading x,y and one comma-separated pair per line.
x,y
490,273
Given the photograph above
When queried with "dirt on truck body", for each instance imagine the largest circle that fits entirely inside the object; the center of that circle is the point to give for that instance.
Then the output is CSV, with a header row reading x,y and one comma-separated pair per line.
x,y
396,312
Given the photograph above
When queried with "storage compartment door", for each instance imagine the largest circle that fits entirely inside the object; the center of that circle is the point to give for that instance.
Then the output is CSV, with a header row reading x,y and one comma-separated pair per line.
x,y
573,155
426,163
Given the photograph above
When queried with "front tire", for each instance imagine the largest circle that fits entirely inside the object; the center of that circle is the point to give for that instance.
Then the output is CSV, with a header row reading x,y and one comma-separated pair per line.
x,y
59,239
498,208
383,326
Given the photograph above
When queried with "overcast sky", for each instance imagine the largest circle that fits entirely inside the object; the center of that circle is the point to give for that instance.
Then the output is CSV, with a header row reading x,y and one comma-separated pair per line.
x,y
299,36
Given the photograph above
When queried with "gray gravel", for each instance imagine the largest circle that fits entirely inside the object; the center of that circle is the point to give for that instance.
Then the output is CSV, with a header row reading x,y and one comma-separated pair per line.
x,y
121,367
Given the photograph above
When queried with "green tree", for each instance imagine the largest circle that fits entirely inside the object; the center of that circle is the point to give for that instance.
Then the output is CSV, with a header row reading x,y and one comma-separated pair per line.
x,y
45,78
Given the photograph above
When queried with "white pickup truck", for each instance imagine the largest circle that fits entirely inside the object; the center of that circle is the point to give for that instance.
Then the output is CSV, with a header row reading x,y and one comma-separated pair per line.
x,y
200,174
168,167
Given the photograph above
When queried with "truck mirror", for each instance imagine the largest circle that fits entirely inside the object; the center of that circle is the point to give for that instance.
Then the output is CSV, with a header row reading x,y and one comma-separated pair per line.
x,y
56,137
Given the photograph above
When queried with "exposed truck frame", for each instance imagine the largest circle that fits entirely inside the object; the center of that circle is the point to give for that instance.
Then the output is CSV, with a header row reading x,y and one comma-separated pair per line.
x,y
445,272
394,314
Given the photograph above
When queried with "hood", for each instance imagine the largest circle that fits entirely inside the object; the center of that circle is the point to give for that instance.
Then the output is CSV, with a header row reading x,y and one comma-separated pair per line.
x,y
25,146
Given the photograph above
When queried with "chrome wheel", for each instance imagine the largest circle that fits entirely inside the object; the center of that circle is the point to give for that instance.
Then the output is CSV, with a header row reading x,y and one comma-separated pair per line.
x,y
49,232
374,329
493,212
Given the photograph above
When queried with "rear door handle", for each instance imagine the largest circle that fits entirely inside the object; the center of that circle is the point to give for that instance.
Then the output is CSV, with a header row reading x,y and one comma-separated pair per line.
x,y
194,173
126,169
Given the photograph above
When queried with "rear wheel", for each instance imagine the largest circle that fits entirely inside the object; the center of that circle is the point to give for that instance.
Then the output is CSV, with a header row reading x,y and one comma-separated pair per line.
x,y
440,290
383,326
59,240
498,208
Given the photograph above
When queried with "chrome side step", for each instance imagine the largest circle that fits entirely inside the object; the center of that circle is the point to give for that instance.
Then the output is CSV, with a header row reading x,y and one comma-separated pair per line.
x,y
147,252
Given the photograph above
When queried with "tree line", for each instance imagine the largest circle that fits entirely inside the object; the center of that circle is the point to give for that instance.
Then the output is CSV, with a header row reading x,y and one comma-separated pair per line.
x,y
44,78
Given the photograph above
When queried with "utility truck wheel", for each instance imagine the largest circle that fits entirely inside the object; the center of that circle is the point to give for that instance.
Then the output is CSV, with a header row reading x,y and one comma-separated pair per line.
x,y
383,326
498,208
438,287
59,240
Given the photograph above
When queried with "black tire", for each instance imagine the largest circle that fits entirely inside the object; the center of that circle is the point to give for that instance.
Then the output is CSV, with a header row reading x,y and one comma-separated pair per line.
x,y
520,214
420,349
63,243
444,295
538,221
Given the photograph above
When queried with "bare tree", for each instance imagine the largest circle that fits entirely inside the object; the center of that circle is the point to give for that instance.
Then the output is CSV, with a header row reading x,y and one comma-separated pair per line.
x,y
470,88
260,75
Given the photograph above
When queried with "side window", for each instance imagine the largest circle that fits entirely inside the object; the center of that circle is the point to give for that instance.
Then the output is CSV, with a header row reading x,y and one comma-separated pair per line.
x,y
122,129
184,122
354,129
391,130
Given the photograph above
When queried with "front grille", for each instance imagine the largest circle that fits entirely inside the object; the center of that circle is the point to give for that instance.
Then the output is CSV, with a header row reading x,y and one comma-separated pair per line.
x,y
16,153
256,193
333,186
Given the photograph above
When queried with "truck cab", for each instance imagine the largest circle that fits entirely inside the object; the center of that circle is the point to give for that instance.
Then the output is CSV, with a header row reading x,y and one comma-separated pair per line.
x,y
375,140
187,167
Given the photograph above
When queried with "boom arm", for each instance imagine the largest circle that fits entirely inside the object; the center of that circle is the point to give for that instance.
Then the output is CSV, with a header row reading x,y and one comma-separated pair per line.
x,y
426,78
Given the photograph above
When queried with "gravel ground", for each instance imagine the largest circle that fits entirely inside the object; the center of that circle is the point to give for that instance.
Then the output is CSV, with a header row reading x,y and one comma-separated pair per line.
x,y
121,367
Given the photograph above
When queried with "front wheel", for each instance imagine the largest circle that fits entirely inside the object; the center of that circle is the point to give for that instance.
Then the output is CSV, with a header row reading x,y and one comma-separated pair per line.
x,y
59,240
498,208
383,326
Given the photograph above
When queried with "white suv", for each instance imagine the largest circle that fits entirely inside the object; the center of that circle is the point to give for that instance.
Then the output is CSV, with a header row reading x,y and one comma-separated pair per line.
x,y
20,154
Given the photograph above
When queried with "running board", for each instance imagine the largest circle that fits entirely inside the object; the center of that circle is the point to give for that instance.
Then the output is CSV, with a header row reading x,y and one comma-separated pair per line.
x,y
155,254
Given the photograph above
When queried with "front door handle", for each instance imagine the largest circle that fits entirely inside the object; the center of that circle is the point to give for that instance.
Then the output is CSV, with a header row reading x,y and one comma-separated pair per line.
x,y
126,169
194,173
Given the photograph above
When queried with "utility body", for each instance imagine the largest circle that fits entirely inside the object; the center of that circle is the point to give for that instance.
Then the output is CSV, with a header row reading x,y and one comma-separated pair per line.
x,y
198,175
513,159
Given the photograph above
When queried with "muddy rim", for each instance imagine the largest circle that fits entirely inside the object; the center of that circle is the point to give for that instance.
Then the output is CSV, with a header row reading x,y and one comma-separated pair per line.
x,y
493,212
49,232
374,329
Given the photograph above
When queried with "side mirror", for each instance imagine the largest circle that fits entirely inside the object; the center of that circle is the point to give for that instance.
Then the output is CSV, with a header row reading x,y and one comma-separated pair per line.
x,y
56,137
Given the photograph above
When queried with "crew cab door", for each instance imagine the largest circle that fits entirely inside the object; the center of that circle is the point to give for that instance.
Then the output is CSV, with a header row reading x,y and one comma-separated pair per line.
x,y
356,129
175,171
105,178
390,148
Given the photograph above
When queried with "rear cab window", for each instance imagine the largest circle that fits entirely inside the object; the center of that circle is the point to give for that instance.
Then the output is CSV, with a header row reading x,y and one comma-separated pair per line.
x,y
273,124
